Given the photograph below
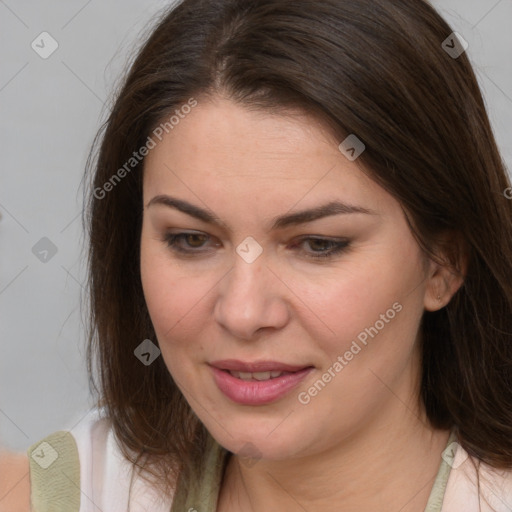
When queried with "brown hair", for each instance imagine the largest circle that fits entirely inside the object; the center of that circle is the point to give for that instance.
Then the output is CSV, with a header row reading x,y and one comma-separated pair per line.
x,y
372,68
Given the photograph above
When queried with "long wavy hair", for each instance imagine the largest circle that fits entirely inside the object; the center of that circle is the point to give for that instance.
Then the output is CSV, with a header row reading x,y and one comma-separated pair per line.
x,y
373,68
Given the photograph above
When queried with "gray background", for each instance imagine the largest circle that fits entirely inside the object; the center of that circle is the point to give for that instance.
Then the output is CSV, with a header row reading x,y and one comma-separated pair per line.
x,y
50,110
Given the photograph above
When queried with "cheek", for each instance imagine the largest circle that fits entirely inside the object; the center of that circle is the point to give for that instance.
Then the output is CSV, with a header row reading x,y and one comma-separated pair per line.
x,y
166,291
373,298
177,302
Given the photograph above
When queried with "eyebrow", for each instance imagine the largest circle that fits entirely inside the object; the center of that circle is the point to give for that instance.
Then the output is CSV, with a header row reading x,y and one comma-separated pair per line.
x,y
290,219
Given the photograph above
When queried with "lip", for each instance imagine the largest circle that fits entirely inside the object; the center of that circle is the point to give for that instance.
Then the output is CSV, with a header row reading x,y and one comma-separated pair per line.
x,y
256,366
258,392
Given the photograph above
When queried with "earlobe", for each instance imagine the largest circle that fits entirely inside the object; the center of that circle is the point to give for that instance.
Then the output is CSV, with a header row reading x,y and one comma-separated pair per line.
x,y
435,291
442,286
445,279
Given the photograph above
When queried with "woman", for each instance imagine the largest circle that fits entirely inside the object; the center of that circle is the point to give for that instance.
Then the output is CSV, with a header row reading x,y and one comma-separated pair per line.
x,y
300,260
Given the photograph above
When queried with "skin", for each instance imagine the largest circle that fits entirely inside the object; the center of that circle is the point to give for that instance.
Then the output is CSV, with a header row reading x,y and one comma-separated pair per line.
x,y
363,442
14,482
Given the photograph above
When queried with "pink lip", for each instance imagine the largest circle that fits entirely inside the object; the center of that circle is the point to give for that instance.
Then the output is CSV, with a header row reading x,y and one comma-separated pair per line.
x,y
257,392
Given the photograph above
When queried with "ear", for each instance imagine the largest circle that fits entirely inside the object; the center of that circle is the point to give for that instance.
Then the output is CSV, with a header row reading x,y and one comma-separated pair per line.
x,y
447,271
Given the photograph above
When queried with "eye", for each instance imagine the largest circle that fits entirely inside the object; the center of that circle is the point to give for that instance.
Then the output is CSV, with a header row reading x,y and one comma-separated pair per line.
x,y
186,242
193,243
324,247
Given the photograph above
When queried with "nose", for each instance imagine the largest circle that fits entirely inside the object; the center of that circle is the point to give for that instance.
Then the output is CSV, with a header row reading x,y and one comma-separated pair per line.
x,y
251,297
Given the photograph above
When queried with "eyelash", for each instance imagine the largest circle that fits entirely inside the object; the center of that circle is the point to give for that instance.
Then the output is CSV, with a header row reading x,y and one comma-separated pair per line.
x,y
339,246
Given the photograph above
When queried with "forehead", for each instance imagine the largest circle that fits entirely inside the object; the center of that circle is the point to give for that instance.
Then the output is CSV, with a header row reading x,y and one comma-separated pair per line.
x,y
222,150
222,127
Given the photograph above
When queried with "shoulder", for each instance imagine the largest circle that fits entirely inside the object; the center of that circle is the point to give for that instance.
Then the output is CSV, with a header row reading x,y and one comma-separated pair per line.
x,y
86,460
474,486
107,475
14,482
28,479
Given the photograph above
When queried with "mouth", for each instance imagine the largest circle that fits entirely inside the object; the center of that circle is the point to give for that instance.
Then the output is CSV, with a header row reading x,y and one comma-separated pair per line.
x,y
258,376
236,365
257,383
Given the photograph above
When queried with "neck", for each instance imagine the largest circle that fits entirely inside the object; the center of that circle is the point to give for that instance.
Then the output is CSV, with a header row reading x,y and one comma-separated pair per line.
x,y
391,465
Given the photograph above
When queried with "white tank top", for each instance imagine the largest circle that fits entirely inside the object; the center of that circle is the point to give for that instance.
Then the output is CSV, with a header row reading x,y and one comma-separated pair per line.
x,y
108,482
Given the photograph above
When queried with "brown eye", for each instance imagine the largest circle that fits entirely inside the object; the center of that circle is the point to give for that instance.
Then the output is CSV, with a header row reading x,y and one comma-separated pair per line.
x,y
323,247
195,240
186,243
318,244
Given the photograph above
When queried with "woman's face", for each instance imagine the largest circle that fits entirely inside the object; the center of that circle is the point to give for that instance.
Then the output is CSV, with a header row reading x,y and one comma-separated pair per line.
x,y
339,296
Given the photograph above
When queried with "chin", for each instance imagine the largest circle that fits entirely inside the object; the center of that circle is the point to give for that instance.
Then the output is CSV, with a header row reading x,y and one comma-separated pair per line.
x,y
256,443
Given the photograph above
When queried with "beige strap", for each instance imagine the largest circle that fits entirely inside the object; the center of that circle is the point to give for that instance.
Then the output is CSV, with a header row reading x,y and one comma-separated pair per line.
x,y
55,474
435,501
202,495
